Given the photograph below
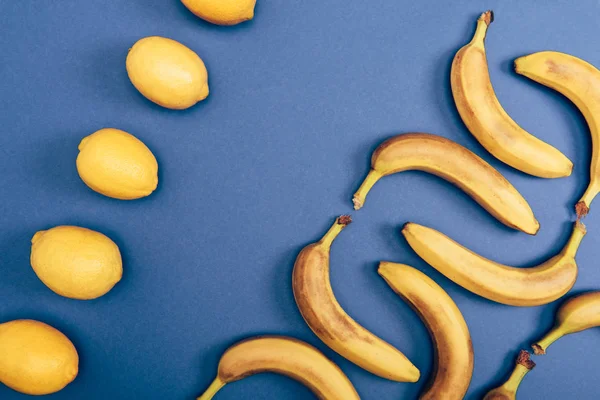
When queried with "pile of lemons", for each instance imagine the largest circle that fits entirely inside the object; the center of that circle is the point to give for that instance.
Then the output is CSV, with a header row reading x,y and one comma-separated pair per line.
x,y
82,264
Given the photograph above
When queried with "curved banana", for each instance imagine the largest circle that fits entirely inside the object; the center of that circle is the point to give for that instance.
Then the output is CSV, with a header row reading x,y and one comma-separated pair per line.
x,y
327,319
508,285
287,356
453,366
579,81
456,164
508,390
484,116
575,315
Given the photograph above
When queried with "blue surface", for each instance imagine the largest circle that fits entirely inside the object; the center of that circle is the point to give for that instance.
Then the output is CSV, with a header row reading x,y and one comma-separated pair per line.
x,y
299,98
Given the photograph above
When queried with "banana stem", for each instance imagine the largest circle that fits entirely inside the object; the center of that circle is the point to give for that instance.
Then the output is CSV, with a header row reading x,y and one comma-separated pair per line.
x,y
513,382
214,387
483,22
583,206
572,245
365,187
540,346
339,224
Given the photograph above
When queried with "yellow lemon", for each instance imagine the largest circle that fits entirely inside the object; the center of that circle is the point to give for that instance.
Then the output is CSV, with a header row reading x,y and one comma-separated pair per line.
x,y
76,262
222,12
117,164
35,358
167,73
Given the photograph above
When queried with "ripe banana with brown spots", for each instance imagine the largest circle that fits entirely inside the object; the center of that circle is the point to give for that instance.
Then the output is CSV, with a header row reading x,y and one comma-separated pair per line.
x,y
484,116
579,81
456,164
327,319
453,366
508,285
287,356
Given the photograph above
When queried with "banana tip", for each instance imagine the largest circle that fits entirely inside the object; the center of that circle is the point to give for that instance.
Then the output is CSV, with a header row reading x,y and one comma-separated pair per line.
x,y
531,230
405,227
537,349
382,269
516,65
523,67
415,375
524,359
412,375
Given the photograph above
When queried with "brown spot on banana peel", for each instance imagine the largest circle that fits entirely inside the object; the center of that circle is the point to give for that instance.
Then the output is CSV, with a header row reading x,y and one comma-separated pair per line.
x,y
554,68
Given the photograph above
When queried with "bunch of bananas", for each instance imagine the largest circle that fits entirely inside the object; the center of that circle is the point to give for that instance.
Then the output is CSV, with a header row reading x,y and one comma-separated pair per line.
x,y
506,140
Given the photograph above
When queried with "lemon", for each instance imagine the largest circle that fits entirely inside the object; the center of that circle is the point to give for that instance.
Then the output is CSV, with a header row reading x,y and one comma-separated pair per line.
x,y
167,73
76,262
35,358
117,164
222,12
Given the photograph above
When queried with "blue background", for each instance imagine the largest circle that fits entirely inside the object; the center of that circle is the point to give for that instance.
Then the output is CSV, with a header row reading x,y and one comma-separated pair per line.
x,y
300,97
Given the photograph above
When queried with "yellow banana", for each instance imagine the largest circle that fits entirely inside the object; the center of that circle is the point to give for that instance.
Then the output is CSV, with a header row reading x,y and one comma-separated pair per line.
x,y
484,116
579,81
575,315
508,285
453,366
327,319
287,356
508,390
458,165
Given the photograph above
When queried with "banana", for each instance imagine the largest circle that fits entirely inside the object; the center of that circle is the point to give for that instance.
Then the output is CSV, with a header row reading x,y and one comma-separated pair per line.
x,y
458,165
287,356
508,285
484,116
453,366
508,390
579,81
327,319
575,315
